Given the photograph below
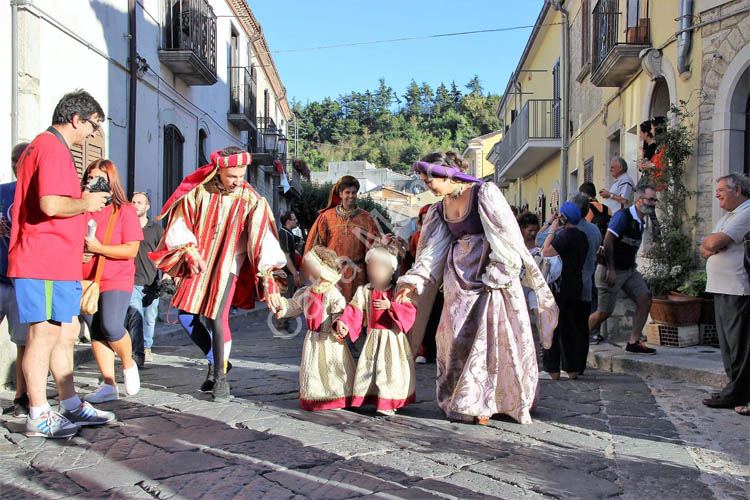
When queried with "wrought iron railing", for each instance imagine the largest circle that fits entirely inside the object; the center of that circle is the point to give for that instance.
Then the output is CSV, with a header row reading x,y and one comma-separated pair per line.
x,y
191,25
538,119
606,33
242,92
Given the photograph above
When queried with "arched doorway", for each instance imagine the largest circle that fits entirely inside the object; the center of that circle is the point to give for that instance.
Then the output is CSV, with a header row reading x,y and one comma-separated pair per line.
x,y
730,121
660,102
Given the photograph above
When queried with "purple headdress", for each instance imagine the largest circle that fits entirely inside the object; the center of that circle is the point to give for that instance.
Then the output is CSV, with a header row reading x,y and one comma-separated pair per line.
x,y
433,170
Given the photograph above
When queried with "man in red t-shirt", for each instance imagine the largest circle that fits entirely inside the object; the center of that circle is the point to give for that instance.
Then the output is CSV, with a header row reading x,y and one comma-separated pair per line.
x,y
45,258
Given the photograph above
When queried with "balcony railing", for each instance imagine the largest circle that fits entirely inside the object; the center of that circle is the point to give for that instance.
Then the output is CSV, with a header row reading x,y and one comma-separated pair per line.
x,y
614,55
538,119
242,98
189,45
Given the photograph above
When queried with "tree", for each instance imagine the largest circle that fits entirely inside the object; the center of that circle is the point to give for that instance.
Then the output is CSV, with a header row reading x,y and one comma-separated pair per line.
x,y
426,96
475,86
443,99
375,126
455,95
412,100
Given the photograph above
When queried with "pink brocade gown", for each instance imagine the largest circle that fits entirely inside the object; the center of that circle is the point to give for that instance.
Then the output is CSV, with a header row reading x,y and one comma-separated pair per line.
x,y
486,358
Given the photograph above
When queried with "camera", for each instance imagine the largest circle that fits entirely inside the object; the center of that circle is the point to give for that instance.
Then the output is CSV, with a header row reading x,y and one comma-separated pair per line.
x,y
563,219
99,185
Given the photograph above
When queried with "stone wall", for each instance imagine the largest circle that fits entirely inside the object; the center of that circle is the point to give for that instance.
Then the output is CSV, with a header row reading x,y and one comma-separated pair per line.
x,y
721,43
7,357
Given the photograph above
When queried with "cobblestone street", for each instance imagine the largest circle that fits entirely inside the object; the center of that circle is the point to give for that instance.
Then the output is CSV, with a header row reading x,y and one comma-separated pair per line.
x,y
602,436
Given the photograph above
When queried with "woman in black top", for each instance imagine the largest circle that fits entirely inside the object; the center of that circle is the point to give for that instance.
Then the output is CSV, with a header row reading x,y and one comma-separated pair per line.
x,y
570,342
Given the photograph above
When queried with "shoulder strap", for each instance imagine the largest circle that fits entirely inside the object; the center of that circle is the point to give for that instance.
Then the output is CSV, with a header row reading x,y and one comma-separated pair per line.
x,y
107,236
53,131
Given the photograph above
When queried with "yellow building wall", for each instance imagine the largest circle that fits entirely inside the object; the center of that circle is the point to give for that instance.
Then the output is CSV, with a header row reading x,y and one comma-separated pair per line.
x,y
487,144
620,109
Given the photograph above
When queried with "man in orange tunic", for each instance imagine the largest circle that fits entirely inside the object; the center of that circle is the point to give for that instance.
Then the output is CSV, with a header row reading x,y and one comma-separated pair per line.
x,y
347,230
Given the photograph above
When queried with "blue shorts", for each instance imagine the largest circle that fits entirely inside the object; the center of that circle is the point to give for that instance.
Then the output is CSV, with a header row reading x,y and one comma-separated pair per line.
x,y
47,300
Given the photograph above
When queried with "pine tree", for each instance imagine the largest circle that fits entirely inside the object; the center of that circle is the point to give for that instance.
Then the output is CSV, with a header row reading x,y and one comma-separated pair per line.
x,y
455,96
427,97
475,86
413,100
443,99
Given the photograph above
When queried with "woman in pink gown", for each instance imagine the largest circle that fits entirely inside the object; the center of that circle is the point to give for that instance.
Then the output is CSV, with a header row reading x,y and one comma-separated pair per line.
x,y
486,359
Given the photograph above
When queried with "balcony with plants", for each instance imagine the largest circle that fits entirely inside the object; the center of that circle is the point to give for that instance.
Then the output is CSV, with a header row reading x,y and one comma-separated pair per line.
x,y
615,51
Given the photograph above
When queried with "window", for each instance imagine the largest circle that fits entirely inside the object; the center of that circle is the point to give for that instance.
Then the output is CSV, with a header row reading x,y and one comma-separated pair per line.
x,y
92,149
235,86
556,97
541,206
554,201
634,13
266,106
202,139
173,146
585,33
588,170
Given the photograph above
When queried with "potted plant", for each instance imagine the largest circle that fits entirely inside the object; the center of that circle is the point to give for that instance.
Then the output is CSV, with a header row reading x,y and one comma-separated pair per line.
x,y
672,256
695,286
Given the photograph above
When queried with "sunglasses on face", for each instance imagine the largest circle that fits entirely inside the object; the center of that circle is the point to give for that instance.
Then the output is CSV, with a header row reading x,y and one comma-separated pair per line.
x,y
652,200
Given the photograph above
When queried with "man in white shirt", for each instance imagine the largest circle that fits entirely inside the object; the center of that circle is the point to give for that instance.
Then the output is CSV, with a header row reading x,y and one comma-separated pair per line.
x,y
728,281
620,192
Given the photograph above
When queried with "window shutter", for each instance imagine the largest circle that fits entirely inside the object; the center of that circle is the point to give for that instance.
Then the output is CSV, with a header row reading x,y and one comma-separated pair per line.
x,y
588,170
92,149
78,159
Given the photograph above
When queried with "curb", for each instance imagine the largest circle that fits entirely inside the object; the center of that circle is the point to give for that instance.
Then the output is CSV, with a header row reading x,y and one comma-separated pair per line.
x,y
701,365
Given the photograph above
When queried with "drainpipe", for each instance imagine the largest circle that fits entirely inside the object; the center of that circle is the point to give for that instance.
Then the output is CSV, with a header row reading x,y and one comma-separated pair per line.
x,y
557,5
133,69
684,39
14,71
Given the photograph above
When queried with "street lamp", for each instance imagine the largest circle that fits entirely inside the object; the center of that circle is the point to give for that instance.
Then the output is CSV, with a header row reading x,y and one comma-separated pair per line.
x,y
283,141
270,139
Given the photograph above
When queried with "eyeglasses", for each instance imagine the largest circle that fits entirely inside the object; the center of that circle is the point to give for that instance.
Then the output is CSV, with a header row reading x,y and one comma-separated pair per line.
x,y
94,124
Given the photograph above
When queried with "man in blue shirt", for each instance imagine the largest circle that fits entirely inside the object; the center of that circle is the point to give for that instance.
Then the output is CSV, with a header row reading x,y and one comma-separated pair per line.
x,y
8,306
621,246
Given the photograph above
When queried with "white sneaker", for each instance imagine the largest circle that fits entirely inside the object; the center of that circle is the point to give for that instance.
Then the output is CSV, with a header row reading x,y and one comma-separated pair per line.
x,y
132,380
103,393
421,360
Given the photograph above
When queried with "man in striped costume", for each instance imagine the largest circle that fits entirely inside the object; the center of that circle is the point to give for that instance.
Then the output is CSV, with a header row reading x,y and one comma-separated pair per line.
x,y
222,247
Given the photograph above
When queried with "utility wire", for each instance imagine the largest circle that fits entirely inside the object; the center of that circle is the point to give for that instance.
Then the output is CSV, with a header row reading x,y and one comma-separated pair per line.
x,y
404,39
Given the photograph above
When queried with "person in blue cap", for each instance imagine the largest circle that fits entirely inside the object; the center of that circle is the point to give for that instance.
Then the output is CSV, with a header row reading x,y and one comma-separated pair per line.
x,y
570,340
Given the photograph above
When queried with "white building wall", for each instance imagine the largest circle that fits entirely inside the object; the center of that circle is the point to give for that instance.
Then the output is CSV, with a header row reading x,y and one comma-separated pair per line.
x,y
5,84
63,49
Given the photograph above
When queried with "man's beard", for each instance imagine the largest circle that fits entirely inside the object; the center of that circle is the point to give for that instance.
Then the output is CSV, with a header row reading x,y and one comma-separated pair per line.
x,y
648,210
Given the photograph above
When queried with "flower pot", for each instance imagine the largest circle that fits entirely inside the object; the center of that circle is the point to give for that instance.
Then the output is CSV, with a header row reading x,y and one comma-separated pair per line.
x,y
676,309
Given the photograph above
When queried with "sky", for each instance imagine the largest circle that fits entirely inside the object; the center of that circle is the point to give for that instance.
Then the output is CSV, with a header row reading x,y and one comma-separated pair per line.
x,y
308,75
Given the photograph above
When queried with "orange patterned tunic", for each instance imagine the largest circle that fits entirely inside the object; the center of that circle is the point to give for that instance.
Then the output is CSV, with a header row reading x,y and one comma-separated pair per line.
x,y
350,236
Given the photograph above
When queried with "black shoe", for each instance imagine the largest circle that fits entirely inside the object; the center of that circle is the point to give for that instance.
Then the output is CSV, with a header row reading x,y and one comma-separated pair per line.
x,y
595,339
140,360
721,402
21,406
221,389
639,348
208,384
